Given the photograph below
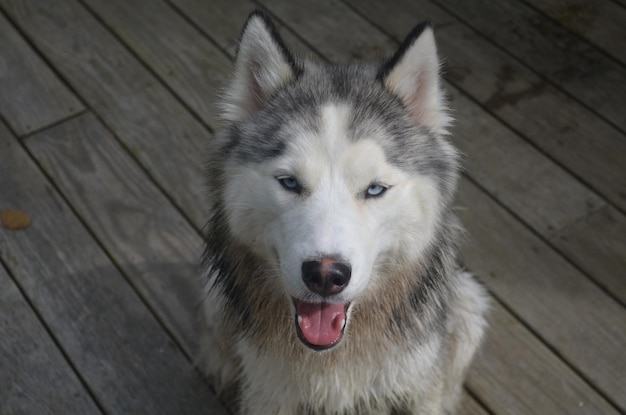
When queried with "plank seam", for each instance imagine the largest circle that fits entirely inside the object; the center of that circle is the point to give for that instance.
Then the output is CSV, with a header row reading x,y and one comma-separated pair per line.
x,y
526,324
55,124
478,399
573,33
83,382
144,65
530,68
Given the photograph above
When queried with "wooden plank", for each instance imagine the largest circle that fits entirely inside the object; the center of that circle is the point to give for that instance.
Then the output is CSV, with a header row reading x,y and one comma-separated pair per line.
x,y
568,311
517,174
94,71
186,61
598,245
322,23
148,238
572,135
469,406
599,21
536,381
566,60
34,376
32,96
223,20
168,142
136,106
120,350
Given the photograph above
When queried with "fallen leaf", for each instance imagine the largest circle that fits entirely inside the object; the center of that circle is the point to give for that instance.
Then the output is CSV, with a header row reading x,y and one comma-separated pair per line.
x,y
15,219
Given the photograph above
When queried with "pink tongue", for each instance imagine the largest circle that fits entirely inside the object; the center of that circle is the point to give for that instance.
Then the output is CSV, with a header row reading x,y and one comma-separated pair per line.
x,y
321,323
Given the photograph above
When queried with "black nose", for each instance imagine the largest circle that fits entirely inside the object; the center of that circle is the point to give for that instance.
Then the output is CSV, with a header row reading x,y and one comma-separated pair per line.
x,y
326,276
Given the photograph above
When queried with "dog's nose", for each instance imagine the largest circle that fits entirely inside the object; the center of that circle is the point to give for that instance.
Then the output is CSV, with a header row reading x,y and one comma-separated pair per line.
x,y
326,276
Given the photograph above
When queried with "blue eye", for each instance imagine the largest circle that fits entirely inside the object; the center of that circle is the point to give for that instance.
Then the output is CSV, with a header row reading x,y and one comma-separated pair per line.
x,y
289,183
375,190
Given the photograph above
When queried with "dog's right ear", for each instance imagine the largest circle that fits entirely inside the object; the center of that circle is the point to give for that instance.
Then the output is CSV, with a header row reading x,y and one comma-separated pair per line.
x,y
263,65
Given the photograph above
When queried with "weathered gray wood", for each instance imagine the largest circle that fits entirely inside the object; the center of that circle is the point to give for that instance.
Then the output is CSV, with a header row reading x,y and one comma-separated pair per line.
x,y
32,96
60,30
222,21
168,142
566,60
155,127
598,245
547,385
569,312
193,67
469,406
34,376
323,24
555,123
112,339
148,238
517,174
599,21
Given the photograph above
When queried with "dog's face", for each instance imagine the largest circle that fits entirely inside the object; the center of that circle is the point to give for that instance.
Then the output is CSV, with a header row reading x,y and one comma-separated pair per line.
x,y
330,172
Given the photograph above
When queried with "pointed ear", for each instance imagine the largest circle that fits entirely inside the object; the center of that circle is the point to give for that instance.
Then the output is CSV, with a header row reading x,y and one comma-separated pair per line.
x,y
412,74
263,65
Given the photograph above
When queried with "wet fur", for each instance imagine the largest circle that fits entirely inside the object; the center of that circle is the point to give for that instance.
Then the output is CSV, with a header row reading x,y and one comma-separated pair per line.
x,y
413,332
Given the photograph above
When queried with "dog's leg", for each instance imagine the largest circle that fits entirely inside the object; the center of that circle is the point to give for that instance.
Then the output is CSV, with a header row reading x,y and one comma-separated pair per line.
x,y
466,329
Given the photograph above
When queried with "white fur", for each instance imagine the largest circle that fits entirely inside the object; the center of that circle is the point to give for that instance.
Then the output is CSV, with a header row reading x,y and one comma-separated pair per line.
x,y
334,218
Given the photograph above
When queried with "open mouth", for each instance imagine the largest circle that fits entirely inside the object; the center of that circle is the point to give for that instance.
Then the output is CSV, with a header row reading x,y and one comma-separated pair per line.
x,y
320,326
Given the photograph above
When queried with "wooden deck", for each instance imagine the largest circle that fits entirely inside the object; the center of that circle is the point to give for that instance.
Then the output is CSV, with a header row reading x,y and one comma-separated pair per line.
x,y
106,106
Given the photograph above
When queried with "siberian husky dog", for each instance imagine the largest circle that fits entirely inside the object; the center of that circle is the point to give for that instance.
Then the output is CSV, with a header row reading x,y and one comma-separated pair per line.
x,y
333,285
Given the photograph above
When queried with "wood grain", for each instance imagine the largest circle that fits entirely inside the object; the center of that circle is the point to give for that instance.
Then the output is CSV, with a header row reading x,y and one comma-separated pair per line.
x,y
568,311
536,381
167,140
600,22
518,175
147,237
31,366
598,245
154,126
223,20
121,351
32,95
550,50
183,59
323,23
85,53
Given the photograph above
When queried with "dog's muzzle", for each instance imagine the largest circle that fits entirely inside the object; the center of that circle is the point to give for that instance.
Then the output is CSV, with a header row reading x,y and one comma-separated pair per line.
x,y
320,325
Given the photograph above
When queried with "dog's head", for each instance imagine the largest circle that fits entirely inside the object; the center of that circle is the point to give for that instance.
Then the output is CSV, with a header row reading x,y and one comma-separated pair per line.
x,y
331,173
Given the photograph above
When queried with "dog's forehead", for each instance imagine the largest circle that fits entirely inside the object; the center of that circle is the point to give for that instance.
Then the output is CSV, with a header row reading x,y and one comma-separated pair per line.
x,y
332,144
343,101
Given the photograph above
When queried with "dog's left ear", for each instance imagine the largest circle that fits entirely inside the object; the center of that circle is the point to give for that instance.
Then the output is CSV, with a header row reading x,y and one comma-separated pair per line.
x,y
412,74
263,65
